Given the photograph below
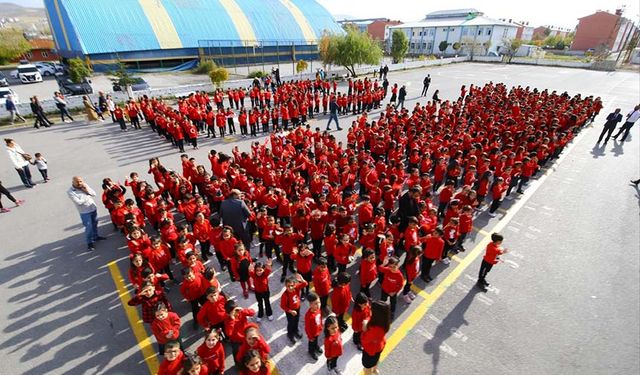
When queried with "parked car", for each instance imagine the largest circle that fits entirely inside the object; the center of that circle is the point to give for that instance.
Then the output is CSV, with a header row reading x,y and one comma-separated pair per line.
x,y
45,69
138,85
59,68
29,73
68,87
4,92
3,80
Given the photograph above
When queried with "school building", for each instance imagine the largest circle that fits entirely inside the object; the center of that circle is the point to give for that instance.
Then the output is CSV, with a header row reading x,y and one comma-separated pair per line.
x,y
468,29
174,34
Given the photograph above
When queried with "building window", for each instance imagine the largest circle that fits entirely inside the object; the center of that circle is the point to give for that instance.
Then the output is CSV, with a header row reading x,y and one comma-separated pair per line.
x,y
452,29
45,54
413,45
413,33
505,32
488,31
432,32
480,31
424,45
28,55
445,30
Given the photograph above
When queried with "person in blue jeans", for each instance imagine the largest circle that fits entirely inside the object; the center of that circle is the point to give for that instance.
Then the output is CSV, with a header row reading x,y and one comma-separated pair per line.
x,y
333,108
82,195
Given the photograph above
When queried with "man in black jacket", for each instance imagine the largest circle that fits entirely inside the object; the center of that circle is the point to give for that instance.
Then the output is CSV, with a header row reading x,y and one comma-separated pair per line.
x,y
408,206
425,84
402,94
612,120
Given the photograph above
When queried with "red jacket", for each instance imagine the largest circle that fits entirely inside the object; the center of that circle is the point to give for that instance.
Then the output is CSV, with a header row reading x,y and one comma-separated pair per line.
x,y
192,290
313,324
358,316
234,328
260,345
433,248
212,313
333,346
171,367
392,282
492,252
412,268
368,272
322,281
261,283
291,300
343,252
373,340
212,357
341,299
161,328
158,258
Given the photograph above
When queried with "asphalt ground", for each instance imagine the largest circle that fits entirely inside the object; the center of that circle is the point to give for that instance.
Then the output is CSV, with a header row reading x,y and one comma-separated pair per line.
x,y
565,300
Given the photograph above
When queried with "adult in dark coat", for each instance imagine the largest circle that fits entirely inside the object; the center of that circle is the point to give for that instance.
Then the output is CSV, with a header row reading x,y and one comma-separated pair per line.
x,y
402,94
235,213
408,206
612,121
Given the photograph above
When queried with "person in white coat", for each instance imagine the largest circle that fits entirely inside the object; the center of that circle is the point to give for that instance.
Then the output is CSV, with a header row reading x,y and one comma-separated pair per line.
x,y
20,160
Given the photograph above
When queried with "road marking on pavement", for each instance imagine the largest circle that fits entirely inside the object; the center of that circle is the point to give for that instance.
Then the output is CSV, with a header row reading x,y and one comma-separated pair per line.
x,y
144,341
431,298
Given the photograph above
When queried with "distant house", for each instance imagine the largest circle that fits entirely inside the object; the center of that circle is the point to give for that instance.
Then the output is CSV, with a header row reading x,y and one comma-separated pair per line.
x,y
467,28
603,29
375,27
541,32
41,50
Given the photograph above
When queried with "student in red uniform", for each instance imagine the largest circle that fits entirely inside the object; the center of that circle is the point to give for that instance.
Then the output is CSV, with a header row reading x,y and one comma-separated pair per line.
x,y
192,364
313,325
360,318
165,326
288,241
465,226
434,246
212,314
497,194
341,298
332,344
148,297
491,257
253,340
322,282
368,271
259,273
235,324
303,256
450,239
193,289
239,265
412,269
290,304
373,338
344,252
212,352
173,357
392,282
445,197
252,364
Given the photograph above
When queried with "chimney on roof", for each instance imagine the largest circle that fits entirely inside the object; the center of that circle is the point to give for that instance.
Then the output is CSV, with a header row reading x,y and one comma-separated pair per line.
x,y
619,12
509,20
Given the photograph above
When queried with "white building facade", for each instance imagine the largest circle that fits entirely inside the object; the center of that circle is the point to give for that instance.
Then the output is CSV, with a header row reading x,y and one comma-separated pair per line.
x,y
467,29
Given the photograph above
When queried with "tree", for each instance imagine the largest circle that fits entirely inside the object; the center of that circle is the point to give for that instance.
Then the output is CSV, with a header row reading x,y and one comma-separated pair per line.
x,y
78,70
486,46
443,46
470,46
350,49
511,46
456,47
630,47
301,66
218,76
324,44
122,78
399,46
12,45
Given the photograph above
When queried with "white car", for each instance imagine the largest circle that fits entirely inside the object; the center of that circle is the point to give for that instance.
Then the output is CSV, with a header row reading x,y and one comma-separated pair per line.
x,y
4,92
29,73
45,69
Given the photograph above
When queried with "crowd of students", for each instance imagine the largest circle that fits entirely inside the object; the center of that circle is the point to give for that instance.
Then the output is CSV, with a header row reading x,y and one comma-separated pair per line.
x,y
398,196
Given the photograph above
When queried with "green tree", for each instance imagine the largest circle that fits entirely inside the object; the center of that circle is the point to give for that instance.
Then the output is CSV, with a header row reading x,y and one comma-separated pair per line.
x,y
399,45
456,46
349,50
122,78
511,46
218,76
486,46
12,45
78,70
443,46
301,66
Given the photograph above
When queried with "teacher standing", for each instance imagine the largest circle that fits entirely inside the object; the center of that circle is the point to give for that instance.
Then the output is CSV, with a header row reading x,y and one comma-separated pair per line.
x,y
82,195
235,213
373,338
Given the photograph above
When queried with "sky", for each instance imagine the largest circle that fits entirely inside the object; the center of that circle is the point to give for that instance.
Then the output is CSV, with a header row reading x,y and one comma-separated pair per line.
x,y
537,12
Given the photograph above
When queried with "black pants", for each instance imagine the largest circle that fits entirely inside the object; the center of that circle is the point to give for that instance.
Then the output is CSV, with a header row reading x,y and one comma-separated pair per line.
x,y
6,192
392,301
366,290
426,268
313,346
264,305
64,112
135,122
317,247
495,204
356,338
332,363
485,267
624,128
608,130
424,90
180,144
341,323
292,324
287,263
323,301
269,247
523,181
407,288
195,306
44,173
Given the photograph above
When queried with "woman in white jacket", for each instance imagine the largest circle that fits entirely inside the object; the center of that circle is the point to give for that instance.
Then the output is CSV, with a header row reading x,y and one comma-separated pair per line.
x,y
20,160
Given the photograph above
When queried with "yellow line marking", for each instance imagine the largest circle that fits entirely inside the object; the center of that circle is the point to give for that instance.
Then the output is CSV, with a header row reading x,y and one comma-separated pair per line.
x,y
240,21
64,29
431,298
144,341
301,20
456,258
482,232
161,24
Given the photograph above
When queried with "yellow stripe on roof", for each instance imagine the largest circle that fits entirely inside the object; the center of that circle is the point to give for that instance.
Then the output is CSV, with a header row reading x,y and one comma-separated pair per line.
x,y
64,29
240,21
302,21
161,24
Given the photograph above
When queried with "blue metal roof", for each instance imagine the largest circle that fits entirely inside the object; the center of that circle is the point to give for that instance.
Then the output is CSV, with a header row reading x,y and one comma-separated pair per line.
x,y
95,27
